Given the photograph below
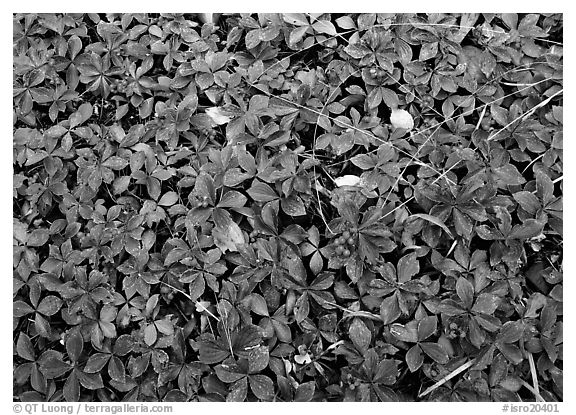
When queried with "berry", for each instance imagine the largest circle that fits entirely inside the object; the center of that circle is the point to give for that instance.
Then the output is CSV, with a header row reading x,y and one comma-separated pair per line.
x,y
164,289
339,250
346,234
340,241
170,296
350,241
205,204
346,253
453,326
462,334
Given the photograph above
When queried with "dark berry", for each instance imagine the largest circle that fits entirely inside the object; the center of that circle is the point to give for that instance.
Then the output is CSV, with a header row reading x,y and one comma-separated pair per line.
x,y
350,241
346,253
339,250
340,241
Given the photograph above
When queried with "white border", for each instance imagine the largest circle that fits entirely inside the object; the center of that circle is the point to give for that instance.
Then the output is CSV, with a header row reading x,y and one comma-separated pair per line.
x,y
294,6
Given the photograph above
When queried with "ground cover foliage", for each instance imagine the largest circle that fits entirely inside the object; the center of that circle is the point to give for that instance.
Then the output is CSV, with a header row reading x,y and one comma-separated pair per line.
x,y
288,207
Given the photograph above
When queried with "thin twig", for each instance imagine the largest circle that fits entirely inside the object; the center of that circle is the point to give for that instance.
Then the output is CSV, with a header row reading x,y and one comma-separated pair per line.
x,y
536,394
526,114
447,377
198,304
534,374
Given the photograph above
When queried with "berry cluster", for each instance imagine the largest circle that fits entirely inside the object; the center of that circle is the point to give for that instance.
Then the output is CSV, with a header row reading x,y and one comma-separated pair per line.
x,y
119,86
377,73
202,202
345,243
352,382
167,292
253,235
455,331
208,132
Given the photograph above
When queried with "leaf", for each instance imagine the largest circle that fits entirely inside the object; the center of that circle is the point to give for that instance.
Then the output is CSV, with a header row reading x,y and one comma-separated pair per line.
x,y
348,180
465,291
82,115
24,347
150,334
293,206
211,352
324,26
435,351
434,220
346,22
218,116
38,237
529,229
232,199
92,381
74,345
238,392
386,372
360,334
408,266
298,19
486,303
510,332
262,387
116,369
197,287
229,373
426,327
261,192
258,359
508,175
71,388
168,199
165,327
305,392
404,333
389,310
258,304
228,237
414,358
96,362
115,163
528,201
297,34
49,305
20,309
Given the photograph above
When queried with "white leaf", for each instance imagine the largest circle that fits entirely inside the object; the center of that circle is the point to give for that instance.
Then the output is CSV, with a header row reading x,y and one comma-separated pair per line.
x,y
401,119
348,180
217,115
